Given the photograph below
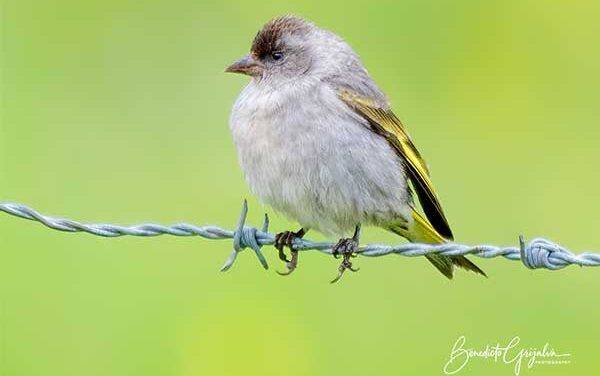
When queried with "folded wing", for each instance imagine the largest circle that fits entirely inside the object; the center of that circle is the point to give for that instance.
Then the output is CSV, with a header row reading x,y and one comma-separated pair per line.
x,y
385,123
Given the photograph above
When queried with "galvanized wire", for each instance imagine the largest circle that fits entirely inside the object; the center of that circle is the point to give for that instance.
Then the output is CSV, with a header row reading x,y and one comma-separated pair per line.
x,y
538,253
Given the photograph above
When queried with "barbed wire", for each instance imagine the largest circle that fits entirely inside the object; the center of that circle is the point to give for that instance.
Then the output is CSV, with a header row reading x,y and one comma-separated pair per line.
x,y
538,253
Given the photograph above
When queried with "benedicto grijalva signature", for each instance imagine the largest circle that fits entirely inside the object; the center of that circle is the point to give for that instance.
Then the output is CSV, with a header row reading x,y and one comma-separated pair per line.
x,y
510,354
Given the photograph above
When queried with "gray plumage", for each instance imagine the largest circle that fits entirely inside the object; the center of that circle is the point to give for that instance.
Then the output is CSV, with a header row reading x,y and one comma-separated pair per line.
x,y
304,152
327,161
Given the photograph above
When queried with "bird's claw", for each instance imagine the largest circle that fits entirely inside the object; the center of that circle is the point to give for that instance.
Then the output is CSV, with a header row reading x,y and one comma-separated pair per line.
x,y
347,248
286,239
290,265
282,240
282,255
345,265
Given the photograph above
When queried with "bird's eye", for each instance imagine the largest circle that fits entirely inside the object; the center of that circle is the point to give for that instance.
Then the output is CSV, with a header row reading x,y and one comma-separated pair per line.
x,y
277,56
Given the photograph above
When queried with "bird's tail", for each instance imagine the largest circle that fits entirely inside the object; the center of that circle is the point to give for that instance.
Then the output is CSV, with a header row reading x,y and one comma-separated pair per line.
x,y
422,232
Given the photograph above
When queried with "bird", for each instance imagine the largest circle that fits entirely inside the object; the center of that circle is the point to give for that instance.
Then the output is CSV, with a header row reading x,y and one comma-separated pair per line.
x,y
318,142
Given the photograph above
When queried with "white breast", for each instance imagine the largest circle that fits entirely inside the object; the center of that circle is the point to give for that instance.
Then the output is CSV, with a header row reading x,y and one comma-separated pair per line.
x,y
309,156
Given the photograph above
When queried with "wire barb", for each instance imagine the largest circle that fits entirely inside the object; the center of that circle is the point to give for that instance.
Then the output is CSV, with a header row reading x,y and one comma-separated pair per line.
x,y
537,254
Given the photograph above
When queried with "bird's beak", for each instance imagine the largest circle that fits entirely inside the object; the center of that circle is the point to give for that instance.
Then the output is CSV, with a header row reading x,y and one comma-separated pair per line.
x,y
247,65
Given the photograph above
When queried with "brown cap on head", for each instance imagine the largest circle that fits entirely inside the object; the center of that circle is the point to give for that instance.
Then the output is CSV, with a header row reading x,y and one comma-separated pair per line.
x,y
266,41
270,40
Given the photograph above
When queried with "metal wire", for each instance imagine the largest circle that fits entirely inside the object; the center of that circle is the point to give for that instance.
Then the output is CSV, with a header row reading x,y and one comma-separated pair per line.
x,y
539,253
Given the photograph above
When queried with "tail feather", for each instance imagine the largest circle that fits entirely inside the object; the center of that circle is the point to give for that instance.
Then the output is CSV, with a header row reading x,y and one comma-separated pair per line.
x,y
421,231
465,263
442,263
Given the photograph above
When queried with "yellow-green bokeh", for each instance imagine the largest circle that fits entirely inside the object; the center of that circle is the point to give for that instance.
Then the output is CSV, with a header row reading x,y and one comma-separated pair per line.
x,y
116,111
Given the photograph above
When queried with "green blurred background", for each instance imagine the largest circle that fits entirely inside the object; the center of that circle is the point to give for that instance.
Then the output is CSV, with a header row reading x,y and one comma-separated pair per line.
x,y
117,111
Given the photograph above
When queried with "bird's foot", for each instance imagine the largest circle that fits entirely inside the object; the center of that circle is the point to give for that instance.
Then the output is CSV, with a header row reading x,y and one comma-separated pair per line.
x,y
286,239
347,248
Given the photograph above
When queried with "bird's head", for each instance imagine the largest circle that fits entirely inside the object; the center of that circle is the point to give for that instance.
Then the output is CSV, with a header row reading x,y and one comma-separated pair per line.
x,y
290,47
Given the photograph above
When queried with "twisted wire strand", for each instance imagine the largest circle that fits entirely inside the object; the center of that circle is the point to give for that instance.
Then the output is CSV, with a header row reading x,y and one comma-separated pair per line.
x,y
538,253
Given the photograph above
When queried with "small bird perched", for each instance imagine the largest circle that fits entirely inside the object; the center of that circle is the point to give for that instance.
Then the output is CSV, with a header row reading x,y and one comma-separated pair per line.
x,y
317,141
